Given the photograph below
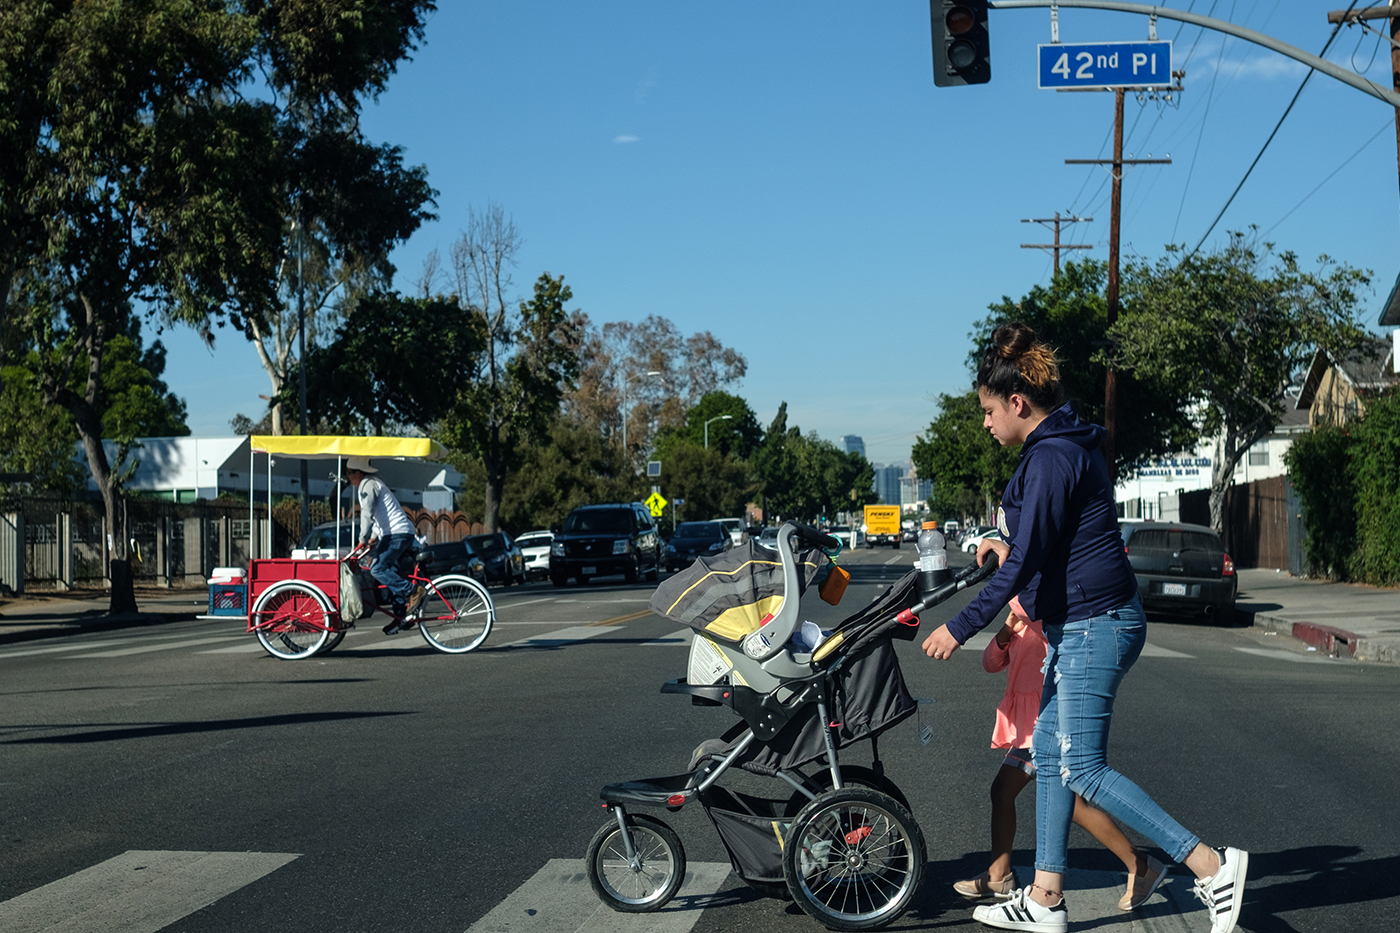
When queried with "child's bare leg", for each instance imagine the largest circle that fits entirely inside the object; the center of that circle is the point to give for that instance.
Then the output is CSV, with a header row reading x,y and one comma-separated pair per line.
x,y
1007,785
1101,826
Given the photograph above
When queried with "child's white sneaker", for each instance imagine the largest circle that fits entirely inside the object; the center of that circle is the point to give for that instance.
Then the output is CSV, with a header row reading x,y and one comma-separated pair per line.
x,y
1022,912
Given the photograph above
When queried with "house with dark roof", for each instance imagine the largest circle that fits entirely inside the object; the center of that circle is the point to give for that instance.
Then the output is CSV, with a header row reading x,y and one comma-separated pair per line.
x,y
1336,390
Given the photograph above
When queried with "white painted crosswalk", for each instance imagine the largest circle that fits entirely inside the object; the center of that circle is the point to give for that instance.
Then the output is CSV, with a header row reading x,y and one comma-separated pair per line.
x,y
136,892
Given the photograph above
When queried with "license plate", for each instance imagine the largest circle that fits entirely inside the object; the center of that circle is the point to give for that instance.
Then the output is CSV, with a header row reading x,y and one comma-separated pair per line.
x,y
592,570
1173,589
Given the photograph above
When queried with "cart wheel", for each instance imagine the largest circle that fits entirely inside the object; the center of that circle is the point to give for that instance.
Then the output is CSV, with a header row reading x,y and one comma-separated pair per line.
x,y
456,615
854,859
859,775
336,638
291,619
652,881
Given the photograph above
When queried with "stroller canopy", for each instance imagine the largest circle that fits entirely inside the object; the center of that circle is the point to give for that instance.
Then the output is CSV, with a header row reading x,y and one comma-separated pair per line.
x,y
731,594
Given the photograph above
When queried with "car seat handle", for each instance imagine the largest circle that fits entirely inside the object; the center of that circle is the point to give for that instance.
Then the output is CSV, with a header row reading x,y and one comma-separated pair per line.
x,y
770,637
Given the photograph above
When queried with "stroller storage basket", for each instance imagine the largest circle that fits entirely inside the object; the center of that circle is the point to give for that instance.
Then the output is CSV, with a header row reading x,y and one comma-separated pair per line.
x,y
752,830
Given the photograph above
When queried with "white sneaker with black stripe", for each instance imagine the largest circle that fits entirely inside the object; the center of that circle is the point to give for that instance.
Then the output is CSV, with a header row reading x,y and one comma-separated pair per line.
x,y
1223,892
1022,912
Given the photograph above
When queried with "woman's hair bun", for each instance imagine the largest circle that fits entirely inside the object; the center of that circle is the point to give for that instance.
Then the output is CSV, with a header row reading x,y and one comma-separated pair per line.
x,y
1016,362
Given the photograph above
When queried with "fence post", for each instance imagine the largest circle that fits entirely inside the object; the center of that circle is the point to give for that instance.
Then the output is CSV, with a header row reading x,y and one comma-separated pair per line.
x,y
65,549
12,551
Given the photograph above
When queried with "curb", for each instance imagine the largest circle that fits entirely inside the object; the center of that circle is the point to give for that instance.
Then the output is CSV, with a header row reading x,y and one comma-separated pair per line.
x,y
1336,642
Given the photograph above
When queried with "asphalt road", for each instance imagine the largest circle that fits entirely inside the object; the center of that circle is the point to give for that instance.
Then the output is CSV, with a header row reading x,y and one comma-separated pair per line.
x,y
389,786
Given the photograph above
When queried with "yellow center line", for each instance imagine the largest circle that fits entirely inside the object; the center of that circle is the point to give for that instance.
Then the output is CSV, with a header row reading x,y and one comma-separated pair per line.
x,y
616,619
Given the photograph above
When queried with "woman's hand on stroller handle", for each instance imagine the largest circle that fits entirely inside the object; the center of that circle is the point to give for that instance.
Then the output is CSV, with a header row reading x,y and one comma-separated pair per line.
x,y
992,545
941,644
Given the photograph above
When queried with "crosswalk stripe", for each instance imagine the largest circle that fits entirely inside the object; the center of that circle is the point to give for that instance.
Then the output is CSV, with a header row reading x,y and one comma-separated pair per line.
x,y
680,637
1150,650
1283,654
164,646
82,647
563,636
136,892
559,899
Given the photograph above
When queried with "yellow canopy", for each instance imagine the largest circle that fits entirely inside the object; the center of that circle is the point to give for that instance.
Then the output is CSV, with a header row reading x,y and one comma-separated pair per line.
x,y
328,447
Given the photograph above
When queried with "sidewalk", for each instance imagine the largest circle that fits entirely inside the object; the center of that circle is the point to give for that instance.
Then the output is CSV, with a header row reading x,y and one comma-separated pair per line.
x,y
1341,619
47,615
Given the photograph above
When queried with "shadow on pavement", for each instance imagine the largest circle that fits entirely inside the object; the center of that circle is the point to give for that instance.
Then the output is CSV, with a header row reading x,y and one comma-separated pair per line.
x,y
188,728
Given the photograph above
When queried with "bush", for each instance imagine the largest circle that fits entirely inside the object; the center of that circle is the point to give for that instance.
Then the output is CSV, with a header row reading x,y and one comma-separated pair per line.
x,y
1318,468
1375,475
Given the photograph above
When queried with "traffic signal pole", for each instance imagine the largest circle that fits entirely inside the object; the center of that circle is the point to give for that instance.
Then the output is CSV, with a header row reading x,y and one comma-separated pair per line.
x,y
1110,387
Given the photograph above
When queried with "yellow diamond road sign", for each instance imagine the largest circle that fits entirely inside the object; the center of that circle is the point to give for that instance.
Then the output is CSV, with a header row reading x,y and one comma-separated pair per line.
x,y
657,503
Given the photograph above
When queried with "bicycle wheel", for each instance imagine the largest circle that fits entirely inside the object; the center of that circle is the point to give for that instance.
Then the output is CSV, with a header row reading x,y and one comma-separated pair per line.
x,y
854,859
291,619
649,882
456,615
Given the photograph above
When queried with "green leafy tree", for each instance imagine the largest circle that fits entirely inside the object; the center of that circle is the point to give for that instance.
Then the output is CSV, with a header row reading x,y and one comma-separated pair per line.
x,y
805,476
1071,315
392,361
966,466
1375,471
1226,335
528,360
739,433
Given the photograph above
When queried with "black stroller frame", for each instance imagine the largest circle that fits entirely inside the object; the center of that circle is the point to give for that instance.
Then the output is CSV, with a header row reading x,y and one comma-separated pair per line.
x,y
844,845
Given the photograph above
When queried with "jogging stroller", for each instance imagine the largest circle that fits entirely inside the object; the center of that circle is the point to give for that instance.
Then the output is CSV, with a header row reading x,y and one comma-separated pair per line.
x,y
843,844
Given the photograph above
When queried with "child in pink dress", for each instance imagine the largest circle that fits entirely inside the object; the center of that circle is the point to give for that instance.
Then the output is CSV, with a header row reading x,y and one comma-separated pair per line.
x,y
1020,648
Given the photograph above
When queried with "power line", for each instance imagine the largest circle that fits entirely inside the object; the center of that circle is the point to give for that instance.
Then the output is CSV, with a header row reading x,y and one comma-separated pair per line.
x,y
1265,147
1384,126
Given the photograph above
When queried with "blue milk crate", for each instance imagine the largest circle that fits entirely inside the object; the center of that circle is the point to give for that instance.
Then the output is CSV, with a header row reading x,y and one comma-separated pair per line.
x,y
228,599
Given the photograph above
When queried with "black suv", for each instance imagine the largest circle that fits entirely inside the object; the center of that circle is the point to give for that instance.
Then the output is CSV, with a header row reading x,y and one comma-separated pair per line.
x,y
1181,568
596,540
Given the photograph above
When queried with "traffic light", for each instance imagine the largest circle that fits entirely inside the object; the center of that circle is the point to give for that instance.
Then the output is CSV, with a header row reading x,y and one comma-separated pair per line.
x,y
962,49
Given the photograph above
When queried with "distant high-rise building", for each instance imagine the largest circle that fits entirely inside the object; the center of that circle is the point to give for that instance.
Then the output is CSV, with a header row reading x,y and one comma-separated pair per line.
x,y
853,444
887,483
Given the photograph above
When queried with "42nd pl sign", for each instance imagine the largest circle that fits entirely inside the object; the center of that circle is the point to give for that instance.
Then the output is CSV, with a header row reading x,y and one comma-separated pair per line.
x,y
1105,64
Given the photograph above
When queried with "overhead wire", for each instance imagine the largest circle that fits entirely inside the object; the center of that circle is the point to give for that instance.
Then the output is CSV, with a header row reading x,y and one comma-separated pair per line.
x,y
1364,146
1289,109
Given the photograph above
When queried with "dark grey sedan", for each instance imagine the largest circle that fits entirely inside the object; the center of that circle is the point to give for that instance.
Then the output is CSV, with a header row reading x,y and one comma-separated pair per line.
x,y
1181,569
696,539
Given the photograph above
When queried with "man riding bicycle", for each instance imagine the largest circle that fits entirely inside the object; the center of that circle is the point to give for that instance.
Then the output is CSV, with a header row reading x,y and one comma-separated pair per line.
x,y
382,519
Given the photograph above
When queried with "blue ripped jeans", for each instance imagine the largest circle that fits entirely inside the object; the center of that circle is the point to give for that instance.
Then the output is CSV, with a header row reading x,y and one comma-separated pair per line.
x,y
1084,665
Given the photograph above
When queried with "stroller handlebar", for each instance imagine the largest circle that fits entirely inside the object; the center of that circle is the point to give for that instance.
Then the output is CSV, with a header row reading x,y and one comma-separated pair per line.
x,y
814,536
969,576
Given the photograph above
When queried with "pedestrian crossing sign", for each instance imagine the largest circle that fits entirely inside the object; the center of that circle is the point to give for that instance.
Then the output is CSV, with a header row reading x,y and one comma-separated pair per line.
x,y
657,503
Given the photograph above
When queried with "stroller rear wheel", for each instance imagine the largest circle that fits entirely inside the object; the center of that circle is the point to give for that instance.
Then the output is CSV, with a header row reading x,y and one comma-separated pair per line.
x,y
858,775
645,884
854,859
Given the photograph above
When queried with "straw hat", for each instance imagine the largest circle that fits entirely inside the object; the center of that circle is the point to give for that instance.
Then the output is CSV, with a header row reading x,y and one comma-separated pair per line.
x,y
359,465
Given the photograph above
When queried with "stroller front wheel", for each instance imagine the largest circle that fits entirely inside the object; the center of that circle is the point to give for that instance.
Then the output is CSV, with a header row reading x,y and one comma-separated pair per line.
x,y
854,859
646,883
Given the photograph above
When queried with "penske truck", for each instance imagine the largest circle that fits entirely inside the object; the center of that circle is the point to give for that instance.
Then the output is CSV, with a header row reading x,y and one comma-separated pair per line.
x,y
882,525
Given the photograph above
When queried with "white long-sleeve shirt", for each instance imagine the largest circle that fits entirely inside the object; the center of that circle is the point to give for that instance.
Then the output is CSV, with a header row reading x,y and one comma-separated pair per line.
x,y
380,508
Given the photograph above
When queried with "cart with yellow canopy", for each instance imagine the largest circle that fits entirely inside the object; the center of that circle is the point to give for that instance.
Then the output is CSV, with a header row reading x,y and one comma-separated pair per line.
x,y
301,607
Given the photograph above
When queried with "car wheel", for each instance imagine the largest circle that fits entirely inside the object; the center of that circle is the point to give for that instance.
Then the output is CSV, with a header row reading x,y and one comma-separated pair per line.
x,y
655,572
633,573
1225,614
559,579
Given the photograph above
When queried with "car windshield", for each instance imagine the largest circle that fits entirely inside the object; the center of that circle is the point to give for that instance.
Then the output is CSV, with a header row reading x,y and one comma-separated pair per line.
x,y
599,521
532,540
702,530
488,544
325,537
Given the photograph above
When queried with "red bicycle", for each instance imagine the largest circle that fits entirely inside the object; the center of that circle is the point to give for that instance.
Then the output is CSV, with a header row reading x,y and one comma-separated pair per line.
x,y
296,606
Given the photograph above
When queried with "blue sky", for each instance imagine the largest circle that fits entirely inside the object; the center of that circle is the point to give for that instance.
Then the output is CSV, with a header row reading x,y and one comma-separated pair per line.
x,y
787,176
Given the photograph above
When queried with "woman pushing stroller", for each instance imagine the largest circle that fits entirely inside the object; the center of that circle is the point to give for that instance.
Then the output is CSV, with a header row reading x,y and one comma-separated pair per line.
x,y
1063,554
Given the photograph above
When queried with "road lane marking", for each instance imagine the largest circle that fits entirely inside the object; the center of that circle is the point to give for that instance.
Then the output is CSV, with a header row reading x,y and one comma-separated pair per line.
x,y
165,646
527,602
617,619
563,636
136,892
559,899
679,637
1150,650
1283,654
86,647
895,559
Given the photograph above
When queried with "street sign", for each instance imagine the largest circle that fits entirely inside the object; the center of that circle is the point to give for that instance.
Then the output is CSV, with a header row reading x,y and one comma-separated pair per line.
x,y
1105,64
657,503
653,468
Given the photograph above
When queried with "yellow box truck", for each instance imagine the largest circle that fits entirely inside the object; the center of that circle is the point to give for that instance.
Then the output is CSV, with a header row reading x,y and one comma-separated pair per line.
x,y
882,525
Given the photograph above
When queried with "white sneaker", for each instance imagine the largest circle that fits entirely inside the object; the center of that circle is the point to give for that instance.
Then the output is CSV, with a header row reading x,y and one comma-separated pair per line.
x,y
1022,912
1223,893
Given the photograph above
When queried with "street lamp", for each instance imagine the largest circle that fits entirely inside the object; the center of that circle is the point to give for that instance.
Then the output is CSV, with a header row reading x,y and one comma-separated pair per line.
x,y
710,422
625,383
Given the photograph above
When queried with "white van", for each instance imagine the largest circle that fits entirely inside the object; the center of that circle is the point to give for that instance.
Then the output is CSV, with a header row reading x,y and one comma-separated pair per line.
x,y
735,527
950,530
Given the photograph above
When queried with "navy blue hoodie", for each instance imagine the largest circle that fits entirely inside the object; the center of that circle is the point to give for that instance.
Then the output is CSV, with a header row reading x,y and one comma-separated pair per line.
x,y
1067,560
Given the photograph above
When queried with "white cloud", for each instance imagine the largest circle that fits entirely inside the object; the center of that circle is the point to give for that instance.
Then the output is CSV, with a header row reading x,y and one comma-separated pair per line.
x,y
619,140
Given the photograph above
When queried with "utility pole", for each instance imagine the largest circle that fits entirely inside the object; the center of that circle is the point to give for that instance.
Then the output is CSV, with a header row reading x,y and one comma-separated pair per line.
x,y
1110,387
1391,12
1057,245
